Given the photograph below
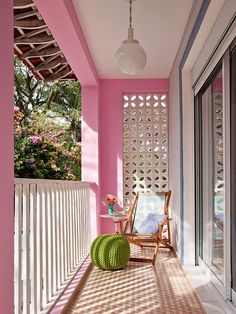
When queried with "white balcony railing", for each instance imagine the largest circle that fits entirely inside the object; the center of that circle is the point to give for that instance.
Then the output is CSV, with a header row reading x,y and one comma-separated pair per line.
x,y
52,237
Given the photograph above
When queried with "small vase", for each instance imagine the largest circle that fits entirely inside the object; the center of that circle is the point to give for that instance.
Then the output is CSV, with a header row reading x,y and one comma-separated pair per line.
x,y
110,209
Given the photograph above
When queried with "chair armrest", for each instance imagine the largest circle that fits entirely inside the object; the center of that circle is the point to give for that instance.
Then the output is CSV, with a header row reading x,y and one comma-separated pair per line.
x,y
161,223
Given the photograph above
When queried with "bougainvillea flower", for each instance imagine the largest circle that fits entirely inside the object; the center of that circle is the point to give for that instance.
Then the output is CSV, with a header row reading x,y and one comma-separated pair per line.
x,y
31,160
35,139
60,133
16,109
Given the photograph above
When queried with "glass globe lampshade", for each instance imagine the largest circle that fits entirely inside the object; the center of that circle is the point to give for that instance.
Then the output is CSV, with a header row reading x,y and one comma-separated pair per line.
x,y
130,57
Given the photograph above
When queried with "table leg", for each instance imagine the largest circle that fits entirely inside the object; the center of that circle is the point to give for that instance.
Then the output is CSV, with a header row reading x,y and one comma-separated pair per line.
x,y
121,227
116,227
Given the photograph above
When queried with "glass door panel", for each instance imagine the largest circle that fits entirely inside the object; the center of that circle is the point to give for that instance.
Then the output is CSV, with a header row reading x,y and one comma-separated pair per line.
x,y
212,216
218,179
233,164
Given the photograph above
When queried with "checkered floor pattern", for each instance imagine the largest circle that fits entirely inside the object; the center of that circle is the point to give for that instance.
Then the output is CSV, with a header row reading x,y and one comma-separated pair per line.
x,y
139,288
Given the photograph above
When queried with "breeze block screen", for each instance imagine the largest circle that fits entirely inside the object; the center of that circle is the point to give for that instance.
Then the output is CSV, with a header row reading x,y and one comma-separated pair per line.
x,y
145,139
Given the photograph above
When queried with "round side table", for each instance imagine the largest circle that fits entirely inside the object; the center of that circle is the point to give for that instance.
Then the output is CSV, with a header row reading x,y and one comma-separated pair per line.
x,y
117,220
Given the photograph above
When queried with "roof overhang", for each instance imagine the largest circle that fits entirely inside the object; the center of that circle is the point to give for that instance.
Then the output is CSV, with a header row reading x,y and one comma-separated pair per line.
x,y
35,45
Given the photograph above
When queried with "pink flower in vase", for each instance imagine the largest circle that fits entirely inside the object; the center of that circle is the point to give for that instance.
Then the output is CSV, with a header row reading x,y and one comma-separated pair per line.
x,y
110,200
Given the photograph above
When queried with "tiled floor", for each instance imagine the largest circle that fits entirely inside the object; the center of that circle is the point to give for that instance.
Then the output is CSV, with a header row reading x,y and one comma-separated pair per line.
x,y
208,295
139,288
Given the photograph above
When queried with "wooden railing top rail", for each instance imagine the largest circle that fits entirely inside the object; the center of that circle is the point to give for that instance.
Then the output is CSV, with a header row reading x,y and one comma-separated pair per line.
x,y
47,181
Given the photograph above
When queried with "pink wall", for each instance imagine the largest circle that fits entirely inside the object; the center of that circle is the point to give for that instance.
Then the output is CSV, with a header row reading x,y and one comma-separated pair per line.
x,y
90,149
111,133
6,158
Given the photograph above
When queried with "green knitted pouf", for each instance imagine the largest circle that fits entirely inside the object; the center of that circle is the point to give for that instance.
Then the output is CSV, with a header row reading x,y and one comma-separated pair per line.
x,y
110,251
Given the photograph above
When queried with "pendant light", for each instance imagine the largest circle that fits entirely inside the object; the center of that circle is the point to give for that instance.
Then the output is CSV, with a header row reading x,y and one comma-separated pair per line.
x,y
130,57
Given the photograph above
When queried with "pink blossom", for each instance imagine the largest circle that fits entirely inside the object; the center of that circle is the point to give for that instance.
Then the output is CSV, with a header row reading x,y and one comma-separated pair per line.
x,y
31,160
16,109
64,142
35,139
59,133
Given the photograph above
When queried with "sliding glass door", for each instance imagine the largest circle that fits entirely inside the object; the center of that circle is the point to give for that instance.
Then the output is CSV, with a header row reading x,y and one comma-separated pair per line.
x,y
215,172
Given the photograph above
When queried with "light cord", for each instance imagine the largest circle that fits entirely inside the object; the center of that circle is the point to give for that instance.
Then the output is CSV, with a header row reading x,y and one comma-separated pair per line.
x,y
130,13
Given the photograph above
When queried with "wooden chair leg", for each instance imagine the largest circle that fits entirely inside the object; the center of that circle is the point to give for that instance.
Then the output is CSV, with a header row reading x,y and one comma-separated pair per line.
x,y
155,253
168,231
166,244
167,241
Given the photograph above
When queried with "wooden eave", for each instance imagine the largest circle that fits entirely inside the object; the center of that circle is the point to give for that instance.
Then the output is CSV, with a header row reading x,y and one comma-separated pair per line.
x,y
35,45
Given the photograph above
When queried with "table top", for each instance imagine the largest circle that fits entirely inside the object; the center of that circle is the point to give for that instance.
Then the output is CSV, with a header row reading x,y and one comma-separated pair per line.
x,y
115,218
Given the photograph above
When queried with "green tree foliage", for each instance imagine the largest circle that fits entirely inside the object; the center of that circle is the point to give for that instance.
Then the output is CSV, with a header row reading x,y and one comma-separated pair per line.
x,y
47,127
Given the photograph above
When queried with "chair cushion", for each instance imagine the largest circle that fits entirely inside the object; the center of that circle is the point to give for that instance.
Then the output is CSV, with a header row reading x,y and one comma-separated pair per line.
x,y
151,223
148,203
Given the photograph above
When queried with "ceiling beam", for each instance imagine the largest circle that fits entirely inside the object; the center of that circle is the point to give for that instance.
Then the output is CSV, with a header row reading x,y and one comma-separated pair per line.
x,y
36,52
50,65
22,4
53,57
24,15
59,74
35,40
33,33
29,24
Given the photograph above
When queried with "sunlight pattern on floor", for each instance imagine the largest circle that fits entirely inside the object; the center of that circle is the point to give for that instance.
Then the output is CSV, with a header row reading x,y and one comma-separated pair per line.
x,y
139,288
